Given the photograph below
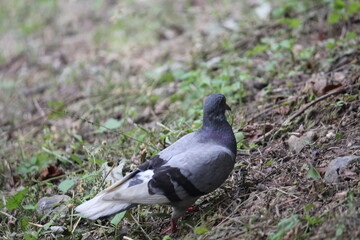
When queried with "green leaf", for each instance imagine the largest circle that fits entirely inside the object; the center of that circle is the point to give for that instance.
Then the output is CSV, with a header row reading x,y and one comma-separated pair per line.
x,y
339,4
353,7
284,226
15,201
340,230
57,109
287,44
56,104
313,220
312,173
112,123
333,18
118,217
29,207
339,136
200,230
257,49
291,22
99,161
78,137
253,145
24,222
89,175
239,164
58,154
239,136
309,207
330,43
7,85
65,185
29,236
76,159
350,35
109,124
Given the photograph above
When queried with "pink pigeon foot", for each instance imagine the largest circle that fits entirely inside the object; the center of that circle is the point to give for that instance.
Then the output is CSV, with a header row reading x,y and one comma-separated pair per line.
x,y
193,208
172,228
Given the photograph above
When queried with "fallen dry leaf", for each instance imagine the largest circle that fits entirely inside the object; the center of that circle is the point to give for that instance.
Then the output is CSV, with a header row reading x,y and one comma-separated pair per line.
x,y
321,170
341,195
256,130
14,181
320,85
50,172
282,110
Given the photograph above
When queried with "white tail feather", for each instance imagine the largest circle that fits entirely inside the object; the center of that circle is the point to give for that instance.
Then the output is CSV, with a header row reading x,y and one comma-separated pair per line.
x,y
138,194
97,207
121,196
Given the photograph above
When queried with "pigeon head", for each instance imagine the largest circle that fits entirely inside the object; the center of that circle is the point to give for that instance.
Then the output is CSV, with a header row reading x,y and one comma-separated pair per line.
x,y
214,111
215,126
215,105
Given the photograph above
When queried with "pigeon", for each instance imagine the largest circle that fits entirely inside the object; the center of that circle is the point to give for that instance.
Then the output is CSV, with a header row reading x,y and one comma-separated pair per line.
x,y
195,165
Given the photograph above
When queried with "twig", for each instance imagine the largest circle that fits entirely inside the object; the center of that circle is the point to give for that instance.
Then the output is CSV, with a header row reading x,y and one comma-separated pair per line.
x,y
57,177
147,236
36,225
306,106
273,106
127,238
289,194
262,112
41,116
38,107
302,109
102,226
8,215
29,122
75,225
107,174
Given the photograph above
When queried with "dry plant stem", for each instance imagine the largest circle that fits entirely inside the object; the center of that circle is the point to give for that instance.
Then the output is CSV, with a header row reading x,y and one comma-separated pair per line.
x,y
107,174
272,107
8,215
302,109
22,125
36,225
58,177
102,226
41,116
147,236
127,238
75,225
306,106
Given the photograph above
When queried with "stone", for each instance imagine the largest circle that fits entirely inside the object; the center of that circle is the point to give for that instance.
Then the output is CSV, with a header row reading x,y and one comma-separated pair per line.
x,y
296,144
57,229
52,204
337,166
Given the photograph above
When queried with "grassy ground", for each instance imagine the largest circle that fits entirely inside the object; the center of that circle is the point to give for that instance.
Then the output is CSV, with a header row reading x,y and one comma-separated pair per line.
x,y
90,87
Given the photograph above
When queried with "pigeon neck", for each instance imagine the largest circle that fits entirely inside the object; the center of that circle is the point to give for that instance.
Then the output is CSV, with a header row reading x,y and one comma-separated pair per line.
x,y
215,122
217,128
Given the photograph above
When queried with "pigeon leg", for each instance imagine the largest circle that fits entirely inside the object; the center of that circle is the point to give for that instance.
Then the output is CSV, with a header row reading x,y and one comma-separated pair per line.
x,y
173,227
192,208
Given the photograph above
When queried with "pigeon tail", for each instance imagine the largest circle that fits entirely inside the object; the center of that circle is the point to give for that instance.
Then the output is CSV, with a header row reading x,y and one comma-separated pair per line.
x,y
97,207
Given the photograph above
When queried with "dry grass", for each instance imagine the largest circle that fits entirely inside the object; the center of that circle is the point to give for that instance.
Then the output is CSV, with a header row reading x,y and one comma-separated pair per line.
x,y
84,84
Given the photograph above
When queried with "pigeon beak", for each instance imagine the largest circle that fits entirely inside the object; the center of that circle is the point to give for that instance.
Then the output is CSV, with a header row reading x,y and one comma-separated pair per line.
x,y
228,108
